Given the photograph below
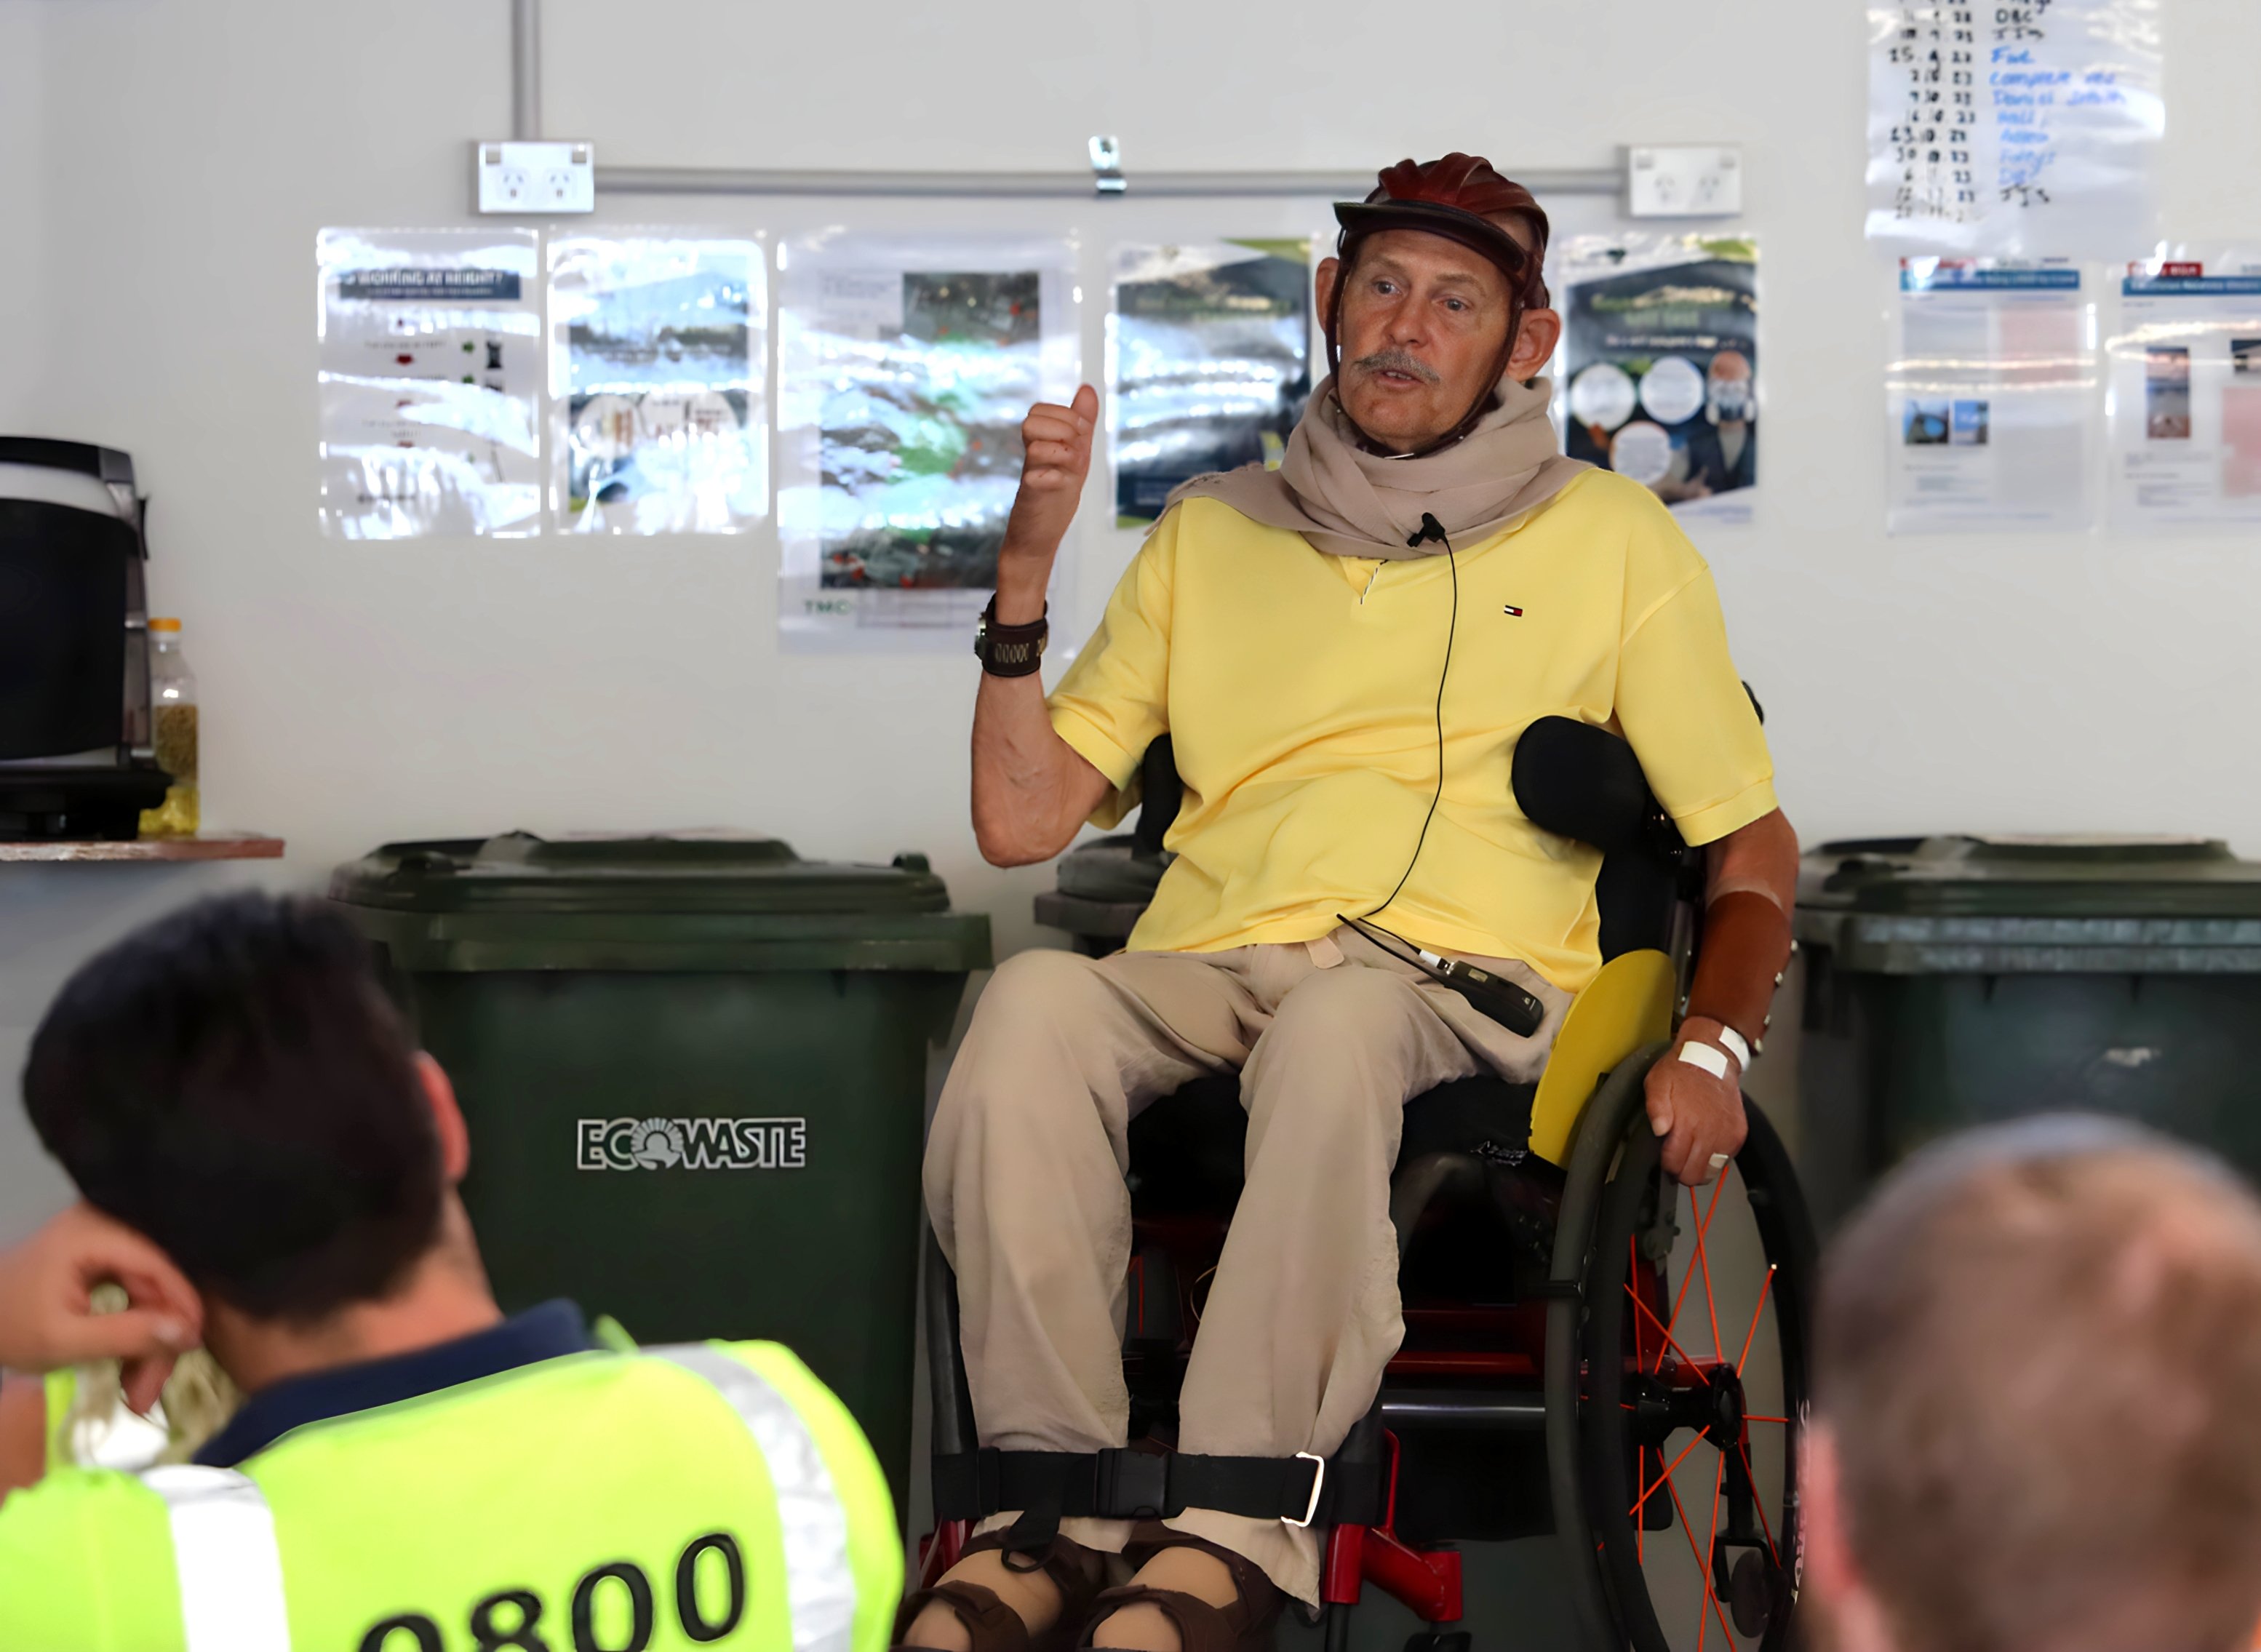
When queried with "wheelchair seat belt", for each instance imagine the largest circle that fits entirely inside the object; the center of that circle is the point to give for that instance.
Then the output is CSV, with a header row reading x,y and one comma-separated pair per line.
x,y
1125,1485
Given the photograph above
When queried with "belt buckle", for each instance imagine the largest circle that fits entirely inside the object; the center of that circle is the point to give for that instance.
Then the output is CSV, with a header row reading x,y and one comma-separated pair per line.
x,y
1318,1483
1132,1484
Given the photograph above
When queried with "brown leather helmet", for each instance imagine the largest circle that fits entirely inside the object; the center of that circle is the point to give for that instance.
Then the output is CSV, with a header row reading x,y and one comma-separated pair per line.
x,y
1456,196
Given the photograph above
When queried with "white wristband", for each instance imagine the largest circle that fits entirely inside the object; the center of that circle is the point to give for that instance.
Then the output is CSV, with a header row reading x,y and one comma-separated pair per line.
x,y
1703,1055
1733,1042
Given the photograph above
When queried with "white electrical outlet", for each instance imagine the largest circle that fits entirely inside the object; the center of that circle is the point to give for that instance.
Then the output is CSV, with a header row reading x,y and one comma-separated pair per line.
x,y
546,178
1684,181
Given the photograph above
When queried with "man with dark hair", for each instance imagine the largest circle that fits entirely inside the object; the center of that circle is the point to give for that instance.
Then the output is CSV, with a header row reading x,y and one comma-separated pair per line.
x,y
2037,1353
1344,652
267,1161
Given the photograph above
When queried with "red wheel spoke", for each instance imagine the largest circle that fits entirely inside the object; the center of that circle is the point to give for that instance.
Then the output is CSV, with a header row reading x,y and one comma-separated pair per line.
x,y
1712,1548
1703,1220
1748,1418
1764,1289
1668,1342
1686,1279
1703,1566
1765,1525
1665,1477
1703,1571
1703,1265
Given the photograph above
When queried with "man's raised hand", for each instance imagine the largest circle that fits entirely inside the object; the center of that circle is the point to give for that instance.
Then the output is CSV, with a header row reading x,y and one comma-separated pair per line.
x,y
1056,443
47,1319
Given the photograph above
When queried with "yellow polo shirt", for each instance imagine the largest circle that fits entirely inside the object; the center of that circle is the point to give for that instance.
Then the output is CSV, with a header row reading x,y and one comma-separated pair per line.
x,y
1300,692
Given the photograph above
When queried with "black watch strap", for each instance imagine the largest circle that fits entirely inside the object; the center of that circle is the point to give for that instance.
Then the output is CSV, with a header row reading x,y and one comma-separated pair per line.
x,y
1010,650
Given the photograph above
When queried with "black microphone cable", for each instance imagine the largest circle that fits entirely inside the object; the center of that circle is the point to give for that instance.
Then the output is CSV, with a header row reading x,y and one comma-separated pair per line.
x,y
1431,529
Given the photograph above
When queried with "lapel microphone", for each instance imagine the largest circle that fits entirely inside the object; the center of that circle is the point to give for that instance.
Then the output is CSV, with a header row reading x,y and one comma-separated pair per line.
x,y
1430,528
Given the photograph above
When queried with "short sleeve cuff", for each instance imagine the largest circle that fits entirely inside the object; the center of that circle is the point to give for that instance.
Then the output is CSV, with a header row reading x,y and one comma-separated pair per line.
x,y
1119,766
1093,747
1715,821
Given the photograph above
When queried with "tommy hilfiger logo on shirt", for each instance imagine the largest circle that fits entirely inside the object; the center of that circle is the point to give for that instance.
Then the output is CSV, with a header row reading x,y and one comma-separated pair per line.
x,y
1512,612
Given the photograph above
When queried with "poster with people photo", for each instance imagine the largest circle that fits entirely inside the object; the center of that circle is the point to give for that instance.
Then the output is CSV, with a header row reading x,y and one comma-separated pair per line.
x,y
1659,365
2184,377
1207,364
658,366
907,368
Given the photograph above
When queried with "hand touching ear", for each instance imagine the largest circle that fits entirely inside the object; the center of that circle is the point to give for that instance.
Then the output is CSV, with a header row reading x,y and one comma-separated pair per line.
x,y
46,1312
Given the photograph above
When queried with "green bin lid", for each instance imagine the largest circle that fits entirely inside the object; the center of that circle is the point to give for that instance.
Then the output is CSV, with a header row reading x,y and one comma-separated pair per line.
x,y
1919,906
660,872
667,901
2033,877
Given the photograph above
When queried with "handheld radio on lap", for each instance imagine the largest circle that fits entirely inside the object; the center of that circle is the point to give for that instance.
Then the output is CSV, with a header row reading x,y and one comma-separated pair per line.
x,y
1518,1011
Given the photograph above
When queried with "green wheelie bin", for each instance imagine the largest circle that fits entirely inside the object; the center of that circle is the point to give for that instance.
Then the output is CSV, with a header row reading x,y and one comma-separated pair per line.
x,y
1957,981
695,1071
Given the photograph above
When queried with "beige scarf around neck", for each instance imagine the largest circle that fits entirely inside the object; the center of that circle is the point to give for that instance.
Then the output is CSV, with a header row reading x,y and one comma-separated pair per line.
x,y
1349,502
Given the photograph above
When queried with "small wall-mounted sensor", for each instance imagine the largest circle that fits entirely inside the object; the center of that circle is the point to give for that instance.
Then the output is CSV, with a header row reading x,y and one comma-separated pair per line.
x,y
536,177
1684,181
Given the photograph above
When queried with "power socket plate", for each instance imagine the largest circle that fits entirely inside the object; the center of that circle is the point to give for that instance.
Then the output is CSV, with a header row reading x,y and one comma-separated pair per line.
x,y
543,178
1684,181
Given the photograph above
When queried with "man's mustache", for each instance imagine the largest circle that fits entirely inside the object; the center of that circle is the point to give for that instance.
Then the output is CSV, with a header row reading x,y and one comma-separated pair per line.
x,y
1399,361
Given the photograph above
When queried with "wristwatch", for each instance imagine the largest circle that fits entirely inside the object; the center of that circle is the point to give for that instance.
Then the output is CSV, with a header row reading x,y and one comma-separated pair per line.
x,y
1010,650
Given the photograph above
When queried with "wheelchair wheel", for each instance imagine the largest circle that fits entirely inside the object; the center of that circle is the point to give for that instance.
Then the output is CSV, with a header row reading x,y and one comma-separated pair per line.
x,y
1690,1342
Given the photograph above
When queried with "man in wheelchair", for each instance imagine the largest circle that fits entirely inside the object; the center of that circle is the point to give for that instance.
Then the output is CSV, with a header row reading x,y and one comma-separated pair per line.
x,y
1344,697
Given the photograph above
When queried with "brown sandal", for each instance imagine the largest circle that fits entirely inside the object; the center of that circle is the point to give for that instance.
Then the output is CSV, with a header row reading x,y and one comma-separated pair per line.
x,y
1245,1625
995,1626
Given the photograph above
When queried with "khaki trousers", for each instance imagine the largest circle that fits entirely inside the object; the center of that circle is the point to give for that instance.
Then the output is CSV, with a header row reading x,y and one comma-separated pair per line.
x,y
1024,1182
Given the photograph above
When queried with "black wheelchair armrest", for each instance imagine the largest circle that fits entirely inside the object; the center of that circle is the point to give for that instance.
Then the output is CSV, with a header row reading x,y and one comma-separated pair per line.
x,y
1160,791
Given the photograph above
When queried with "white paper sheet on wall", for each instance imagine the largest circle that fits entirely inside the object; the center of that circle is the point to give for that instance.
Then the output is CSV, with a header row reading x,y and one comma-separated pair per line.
x,y
2184,371
2026,129
430,373
1990,397
659,362
1659,366
906,370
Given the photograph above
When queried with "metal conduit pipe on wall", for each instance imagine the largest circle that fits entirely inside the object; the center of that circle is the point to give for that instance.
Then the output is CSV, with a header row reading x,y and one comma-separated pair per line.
x,y
1337,186
526,121
526,69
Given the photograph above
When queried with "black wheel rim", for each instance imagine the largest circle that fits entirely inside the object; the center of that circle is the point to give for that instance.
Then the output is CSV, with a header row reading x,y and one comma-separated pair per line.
x,y
1694,1393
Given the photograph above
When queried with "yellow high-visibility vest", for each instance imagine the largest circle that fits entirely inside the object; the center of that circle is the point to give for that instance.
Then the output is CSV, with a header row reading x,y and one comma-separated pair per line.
x,y
711,1494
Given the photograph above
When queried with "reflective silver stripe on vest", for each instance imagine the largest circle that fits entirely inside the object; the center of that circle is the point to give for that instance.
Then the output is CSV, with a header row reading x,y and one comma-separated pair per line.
x,y
819,1584
224,1549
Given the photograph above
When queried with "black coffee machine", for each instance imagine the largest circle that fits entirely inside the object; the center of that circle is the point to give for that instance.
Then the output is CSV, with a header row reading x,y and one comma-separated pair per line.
x,y
75,731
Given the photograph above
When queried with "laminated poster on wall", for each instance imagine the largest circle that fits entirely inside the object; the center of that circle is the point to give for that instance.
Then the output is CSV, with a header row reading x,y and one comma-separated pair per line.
x,y
1207,362
2184,371
906,368
659,360
1990,397
430,373
2016,128
1659,363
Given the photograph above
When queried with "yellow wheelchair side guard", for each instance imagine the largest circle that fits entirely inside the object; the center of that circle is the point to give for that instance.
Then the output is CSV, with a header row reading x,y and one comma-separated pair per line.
x,y
1625,1007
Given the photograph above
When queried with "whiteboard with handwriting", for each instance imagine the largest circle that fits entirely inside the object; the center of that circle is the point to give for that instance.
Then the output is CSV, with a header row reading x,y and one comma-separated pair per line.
x,y
2029,128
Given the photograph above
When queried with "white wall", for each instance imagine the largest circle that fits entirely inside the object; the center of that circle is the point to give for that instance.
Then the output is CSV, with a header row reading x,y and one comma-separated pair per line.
x,y
165,164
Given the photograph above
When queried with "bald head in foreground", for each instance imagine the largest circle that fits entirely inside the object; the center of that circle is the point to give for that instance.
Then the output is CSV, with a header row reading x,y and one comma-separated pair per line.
x,y
2036,1428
